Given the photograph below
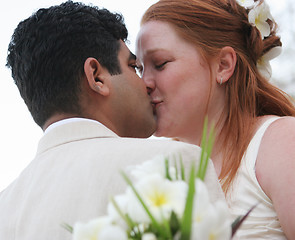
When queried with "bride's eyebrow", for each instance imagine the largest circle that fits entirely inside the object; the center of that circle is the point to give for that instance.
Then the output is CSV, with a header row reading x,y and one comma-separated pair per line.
x,y
151,51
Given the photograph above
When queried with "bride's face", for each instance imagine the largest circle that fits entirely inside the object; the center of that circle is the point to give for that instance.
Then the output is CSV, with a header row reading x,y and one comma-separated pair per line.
x,y
178,79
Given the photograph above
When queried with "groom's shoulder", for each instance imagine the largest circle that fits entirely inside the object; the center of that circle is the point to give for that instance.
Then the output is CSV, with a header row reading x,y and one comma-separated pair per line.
x,y
157,141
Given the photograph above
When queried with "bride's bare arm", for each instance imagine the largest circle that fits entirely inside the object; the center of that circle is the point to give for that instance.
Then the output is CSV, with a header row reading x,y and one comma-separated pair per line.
x,y
275,170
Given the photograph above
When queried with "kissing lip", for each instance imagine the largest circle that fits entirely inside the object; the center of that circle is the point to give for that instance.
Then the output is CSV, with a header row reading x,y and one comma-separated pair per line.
x,y
155,104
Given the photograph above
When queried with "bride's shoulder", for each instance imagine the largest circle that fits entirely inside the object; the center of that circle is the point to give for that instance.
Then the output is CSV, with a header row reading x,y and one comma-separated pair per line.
x,y
277,150
275,168
278,123
283,126
280,133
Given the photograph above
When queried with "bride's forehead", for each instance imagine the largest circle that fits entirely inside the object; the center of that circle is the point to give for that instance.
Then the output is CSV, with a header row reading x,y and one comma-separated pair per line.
x,y
156,34
154,28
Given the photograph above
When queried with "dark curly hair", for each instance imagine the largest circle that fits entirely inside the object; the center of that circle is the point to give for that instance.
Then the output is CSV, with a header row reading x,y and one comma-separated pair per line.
x,y
48,50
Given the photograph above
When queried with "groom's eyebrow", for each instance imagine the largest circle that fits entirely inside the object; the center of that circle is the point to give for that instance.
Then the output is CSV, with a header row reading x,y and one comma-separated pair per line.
x,y
132,56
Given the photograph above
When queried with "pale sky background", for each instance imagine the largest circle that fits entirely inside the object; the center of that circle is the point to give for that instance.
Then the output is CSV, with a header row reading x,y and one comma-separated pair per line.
x,y
19,133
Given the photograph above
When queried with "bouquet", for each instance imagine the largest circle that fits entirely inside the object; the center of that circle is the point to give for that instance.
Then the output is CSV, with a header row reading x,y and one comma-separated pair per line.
x,y
162,202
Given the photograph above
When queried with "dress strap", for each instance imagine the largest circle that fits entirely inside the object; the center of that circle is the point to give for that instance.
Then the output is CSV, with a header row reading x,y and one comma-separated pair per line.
x,y
253,147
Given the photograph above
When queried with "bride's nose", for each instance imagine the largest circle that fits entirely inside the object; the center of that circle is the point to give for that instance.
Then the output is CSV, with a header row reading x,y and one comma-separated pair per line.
x,y
149,81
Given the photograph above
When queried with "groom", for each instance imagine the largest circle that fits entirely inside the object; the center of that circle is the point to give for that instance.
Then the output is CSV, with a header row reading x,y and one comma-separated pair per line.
x,y
78,80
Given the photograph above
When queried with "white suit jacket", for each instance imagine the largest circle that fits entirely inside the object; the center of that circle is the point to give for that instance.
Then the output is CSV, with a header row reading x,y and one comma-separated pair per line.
x,y
73,176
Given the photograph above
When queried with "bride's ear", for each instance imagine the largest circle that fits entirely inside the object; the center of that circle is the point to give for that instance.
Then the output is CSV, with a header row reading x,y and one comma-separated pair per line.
x,y
226,63
97,76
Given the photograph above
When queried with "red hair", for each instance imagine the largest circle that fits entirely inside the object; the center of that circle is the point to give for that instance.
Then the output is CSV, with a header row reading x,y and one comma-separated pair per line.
x,y
211,25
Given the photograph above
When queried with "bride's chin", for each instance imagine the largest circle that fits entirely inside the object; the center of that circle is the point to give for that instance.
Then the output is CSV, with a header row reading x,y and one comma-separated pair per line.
x,y
159,133
163,129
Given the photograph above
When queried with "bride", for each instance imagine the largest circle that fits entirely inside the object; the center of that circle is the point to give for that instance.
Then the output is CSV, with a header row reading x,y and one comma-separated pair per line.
x,y
201,58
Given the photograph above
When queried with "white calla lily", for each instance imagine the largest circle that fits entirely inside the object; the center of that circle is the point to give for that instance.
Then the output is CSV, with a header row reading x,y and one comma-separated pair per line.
x,y
201,201
161,197
258,17
91,229
216,224
149,236
263,64
122,202
98,229
209,221
112,232
155,165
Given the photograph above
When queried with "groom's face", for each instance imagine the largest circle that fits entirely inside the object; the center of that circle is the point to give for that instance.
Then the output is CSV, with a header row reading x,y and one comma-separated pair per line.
x,y
131,103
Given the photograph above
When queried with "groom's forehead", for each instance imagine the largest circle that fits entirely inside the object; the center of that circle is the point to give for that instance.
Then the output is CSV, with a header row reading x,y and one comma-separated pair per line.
x,y
125,52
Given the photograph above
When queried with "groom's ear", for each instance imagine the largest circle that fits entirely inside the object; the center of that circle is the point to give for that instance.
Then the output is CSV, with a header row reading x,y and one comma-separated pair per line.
x,y
97,76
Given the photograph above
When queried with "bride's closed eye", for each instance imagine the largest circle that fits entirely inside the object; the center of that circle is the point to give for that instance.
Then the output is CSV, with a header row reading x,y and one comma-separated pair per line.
x,y
161,65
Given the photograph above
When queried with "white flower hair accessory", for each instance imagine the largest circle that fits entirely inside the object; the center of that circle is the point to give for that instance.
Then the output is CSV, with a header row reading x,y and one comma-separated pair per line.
x,y
259,14
263,64
258,17
246,3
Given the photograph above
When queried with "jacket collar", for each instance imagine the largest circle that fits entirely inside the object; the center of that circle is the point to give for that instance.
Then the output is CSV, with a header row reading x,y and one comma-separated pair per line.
x,y
73,131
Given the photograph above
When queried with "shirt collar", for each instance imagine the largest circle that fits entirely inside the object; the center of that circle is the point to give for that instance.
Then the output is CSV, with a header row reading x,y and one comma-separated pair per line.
x,y
68,120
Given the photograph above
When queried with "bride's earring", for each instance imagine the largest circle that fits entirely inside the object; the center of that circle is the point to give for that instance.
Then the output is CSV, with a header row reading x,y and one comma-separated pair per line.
x,y
221,79
96,87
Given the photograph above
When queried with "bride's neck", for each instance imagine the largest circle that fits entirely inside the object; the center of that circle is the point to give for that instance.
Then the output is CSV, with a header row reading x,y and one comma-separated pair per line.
x,y
216,155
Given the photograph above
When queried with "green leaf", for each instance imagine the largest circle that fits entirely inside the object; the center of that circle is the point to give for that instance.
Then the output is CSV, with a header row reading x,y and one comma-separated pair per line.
x,y
126,218
182,169
203,148
209,147
206,149
67,227
174,223
167,228
239,220
154,222
167,169
186,223
176,168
